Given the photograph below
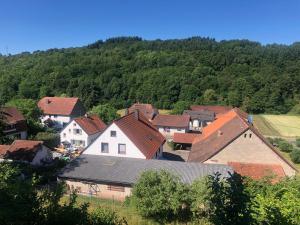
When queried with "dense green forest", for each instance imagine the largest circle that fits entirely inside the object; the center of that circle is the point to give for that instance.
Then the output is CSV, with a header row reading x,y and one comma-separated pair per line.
x,y
124,70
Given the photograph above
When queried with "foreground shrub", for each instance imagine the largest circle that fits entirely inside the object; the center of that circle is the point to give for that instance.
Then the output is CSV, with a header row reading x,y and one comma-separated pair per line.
x,y
295,155
105,216
160,195
285,146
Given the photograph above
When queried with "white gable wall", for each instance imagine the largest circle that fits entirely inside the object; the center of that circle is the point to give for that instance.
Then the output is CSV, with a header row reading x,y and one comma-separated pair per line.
x,y
131,150
44,154
67,134
60,121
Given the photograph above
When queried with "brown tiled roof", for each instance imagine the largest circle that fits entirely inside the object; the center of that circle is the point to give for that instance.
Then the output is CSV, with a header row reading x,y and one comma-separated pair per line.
x,y
12,115
171,120
147,109
184,138
3,150
91,124
221,133
24,150
58,105
258,171
141,132
218,109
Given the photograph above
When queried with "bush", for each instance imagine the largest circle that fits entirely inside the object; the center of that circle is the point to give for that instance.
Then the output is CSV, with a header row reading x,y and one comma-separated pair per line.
x,y
160,195
179,107
285,146
298,142
51,140
103,216
295,155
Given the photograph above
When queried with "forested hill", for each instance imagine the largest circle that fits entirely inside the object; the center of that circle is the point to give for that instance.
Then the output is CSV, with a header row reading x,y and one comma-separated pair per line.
x,y
128,69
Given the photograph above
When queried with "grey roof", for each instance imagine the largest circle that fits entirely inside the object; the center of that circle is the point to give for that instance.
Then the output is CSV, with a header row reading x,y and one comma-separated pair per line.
x,y
203,115
126,171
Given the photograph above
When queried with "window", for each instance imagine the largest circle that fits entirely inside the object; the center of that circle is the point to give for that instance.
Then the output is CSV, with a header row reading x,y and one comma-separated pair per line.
x,y
115,188
122,149
65,134
250,135
55,116
245,135
113,133
74,124
104,148
78,143
69,130
77,131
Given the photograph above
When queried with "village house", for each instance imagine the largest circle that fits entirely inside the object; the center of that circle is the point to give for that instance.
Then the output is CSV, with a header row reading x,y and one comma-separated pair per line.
x,y
232,138
33,152
15,123
59,111
217,109
199,119
129,136
146,109
169,124
82,131
115,176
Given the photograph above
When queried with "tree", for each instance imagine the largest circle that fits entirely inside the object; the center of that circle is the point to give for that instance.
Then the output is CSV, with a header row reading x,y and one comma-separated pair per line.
x,y
106,112
180,106
161,196
51,140
295,155
210,97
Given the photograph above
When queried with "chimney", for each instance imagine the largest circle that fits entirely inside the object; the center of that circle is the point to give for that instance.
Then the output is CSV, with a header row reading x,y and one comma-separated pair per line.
x,y
48,101
220,133
136,114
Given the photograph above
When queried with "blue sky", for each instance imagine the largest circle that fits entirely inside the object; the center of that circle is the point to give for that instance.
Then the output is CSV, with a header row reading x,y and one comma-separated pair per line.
x,y
41,24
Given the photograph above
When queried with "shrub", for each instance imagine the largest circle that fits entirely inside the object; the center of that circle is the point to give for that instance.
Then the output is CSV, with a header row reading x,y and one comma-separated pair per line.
x,y
295,155
180,106
104,216
51,140
298,142
160,195
285,146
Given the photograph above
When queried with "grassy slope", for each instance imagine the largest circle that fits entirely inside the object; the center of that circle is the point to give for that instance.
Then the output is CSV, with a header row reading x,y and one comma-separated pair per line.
x,y
264,126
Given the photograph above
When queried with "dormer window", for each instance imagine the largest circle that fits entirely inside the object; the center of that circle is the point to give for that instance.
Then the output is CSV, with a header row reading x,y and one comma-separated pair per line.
x,y
113,133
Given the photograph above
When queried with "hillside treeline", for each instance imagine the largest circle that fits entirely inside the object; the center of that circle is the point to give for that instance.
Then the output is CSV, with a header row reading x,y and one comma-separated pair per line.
x,y
124,70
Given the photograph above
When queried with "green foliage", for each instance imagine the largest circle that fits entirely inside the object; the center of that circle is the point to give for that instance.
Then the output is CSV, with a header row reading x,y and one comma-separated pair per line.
x,y
105,216
298,142
199,196
179,107
285,146
295,110
160,195
295,155
51,140
106,112
228,201
124,70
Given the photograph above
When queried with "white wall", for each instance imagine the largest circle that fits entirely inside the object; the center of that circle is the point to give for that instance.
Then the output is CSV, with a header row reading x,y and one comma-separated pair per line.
x,y
44,154
131,150
58,120
172,130
69,134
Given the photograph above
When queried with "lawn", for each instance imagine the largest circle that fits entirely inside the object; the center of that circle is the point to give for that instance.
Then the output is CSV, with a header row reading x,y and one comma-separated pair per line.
x,y
278,125
123,210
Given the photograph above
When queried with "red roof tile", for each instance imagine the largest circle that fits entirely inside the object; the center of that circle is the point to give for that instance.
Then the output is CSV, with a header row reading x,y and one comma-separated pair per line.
x,y
91,124
12,115
147,109
21,150
214,108
184,138
141,132
258,171
59,105
171,120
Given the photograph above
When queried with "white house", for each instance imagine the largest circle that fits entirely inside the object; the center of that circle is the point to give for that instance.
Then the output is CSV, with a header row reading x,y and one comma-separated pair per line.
x,y
170,124
33,152
82,131
131,136
59,111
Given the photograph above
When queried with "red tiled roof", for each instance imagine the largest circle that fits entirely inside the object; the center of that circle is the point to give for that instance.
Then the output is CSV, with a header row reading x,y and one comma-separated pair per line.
x,y
147,109
184,138
171,120
12,115
91,124
141,132
58,105
215,108
21,150
222,132
258,171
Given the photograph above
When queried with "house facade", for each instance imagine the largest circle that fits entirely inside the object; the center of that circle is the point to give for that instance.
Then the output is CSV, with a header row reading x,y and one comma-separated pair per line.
x,y
33,152
199,119
115,176
82,131
15,123
131,136
148,110
59,111
170,124
231,138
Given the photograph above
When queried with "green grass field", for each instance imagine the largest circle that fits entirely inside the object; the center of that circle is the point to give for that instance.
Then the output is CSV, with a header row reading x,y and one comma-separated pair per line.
x,y
121,112
278,125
